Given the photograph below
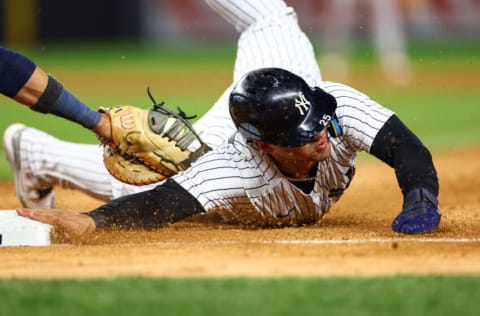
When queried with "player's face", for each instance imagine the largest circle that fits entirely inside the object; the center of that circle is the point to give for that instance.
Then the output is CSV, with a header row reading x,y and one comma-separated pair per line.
x,y
315,151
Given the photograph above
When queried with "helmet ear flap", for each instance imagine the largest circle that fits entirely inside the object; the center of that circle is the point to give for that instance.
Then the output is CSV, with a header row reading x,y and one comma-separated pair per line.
x,y
324,98
334,128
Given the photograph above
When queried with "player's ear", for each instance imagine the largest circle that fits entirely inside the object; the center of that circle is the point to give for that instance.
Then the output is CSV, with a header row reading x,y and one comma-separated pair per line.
x,y
266,148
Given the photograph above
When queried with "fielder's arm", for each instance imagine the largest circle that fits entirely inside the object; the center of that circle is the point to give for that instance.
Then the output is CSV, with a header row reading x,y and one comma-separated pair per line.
x,y
28,84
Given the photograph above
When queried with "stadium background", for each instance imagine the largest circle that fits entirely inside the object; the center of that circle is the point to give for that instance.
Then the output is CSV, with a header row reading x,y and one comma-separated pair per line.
x,y
108,52
37,21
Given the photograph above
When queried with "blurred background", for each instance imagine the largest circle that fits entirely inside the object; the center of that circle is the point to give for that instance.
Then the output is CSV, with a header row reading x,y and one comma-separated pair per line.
x,y
384,29
421,58
36,21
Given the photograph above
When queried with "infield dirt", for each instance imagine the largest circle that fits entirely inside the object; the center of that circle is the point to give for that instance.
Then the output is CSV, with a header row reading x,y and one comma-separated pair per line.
x,y
353,240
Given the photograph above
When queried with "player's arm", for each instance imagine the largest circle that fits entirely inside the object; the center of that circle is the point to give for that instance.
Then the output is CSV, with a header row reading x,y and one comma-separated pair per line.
x,y
165,204
401,149
28,84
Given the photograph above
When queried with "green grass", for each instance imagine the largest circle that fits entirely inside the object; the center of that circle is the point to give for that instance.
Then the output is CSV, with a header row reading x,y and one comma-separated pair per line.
x,y
332,296
434,52
441,119
126,56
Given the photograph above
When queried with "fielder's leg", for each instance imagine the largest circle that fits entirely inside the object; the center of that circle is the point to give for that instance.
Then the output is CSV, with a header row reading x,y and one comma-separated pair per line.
x,y
389,39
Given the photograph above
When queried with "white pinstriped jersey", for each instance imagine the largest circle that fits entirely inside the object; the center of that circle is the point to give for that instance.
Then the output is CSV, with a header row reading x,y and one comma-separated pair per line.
x,y
245,185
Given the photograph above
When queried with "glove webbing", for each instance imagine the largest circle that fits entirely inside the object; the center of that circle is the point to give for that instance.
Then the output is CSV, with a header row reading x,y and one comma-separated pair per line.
x,y
181,125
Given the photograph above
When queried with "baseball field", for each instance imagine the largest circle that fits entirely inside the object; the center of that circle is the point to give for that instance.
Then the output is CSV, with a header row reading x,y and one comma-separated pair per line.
x,y
348,264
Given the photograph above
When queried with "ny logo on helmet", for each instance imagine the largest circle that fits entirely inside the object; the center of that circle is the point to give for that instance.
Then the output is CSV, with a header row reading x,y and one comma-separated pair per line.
x,y
302,104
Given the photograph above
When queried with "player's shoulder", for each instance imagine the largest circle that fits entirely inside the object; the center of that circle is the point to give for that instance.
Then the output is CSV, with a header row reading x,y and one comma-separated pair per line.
x,y
340,90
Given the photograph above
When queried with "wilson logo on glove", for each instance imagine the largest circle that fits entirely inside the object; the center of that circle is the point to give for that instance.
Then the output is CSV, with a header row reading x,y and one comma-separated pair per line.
x,y
127,121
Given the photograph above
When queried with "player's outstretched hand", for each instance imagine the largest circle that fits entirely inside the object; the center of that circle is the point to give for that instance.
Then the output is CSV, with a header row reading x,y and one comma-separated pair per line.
x,y
67,226
420,213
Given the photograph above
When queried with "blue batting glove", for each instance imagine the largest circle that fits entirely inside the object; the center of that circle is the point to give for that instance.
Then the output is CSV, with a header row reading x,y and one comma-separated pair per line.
x,y
420,213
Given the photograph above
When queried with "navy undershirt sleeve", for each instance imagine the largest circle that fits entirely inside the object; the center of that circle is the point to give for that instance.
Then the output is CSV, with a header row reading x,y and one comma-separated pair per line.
x,y
15,70
166,203
398,146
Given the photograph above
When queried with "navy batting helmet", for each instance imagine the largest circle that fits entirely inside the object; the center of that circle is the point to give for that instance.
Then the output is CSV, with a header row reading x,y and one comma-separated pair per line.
x,y
275,106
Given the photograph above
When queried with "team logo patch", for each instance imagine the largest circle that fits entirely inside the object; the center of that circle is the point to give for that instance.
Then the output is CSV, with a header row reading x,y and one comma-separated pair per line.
x,y
302,104
127,120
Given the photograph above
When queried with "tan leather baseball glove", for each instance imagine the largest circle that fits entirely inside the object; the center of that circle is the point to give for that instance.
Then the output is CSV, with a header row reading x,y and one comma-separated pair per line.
x,y
149,145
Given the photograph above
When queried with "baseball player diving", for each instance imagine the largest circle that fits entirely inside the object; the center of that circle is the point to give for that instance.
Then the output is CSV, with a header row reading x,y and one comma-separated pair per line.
x,y
281,143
